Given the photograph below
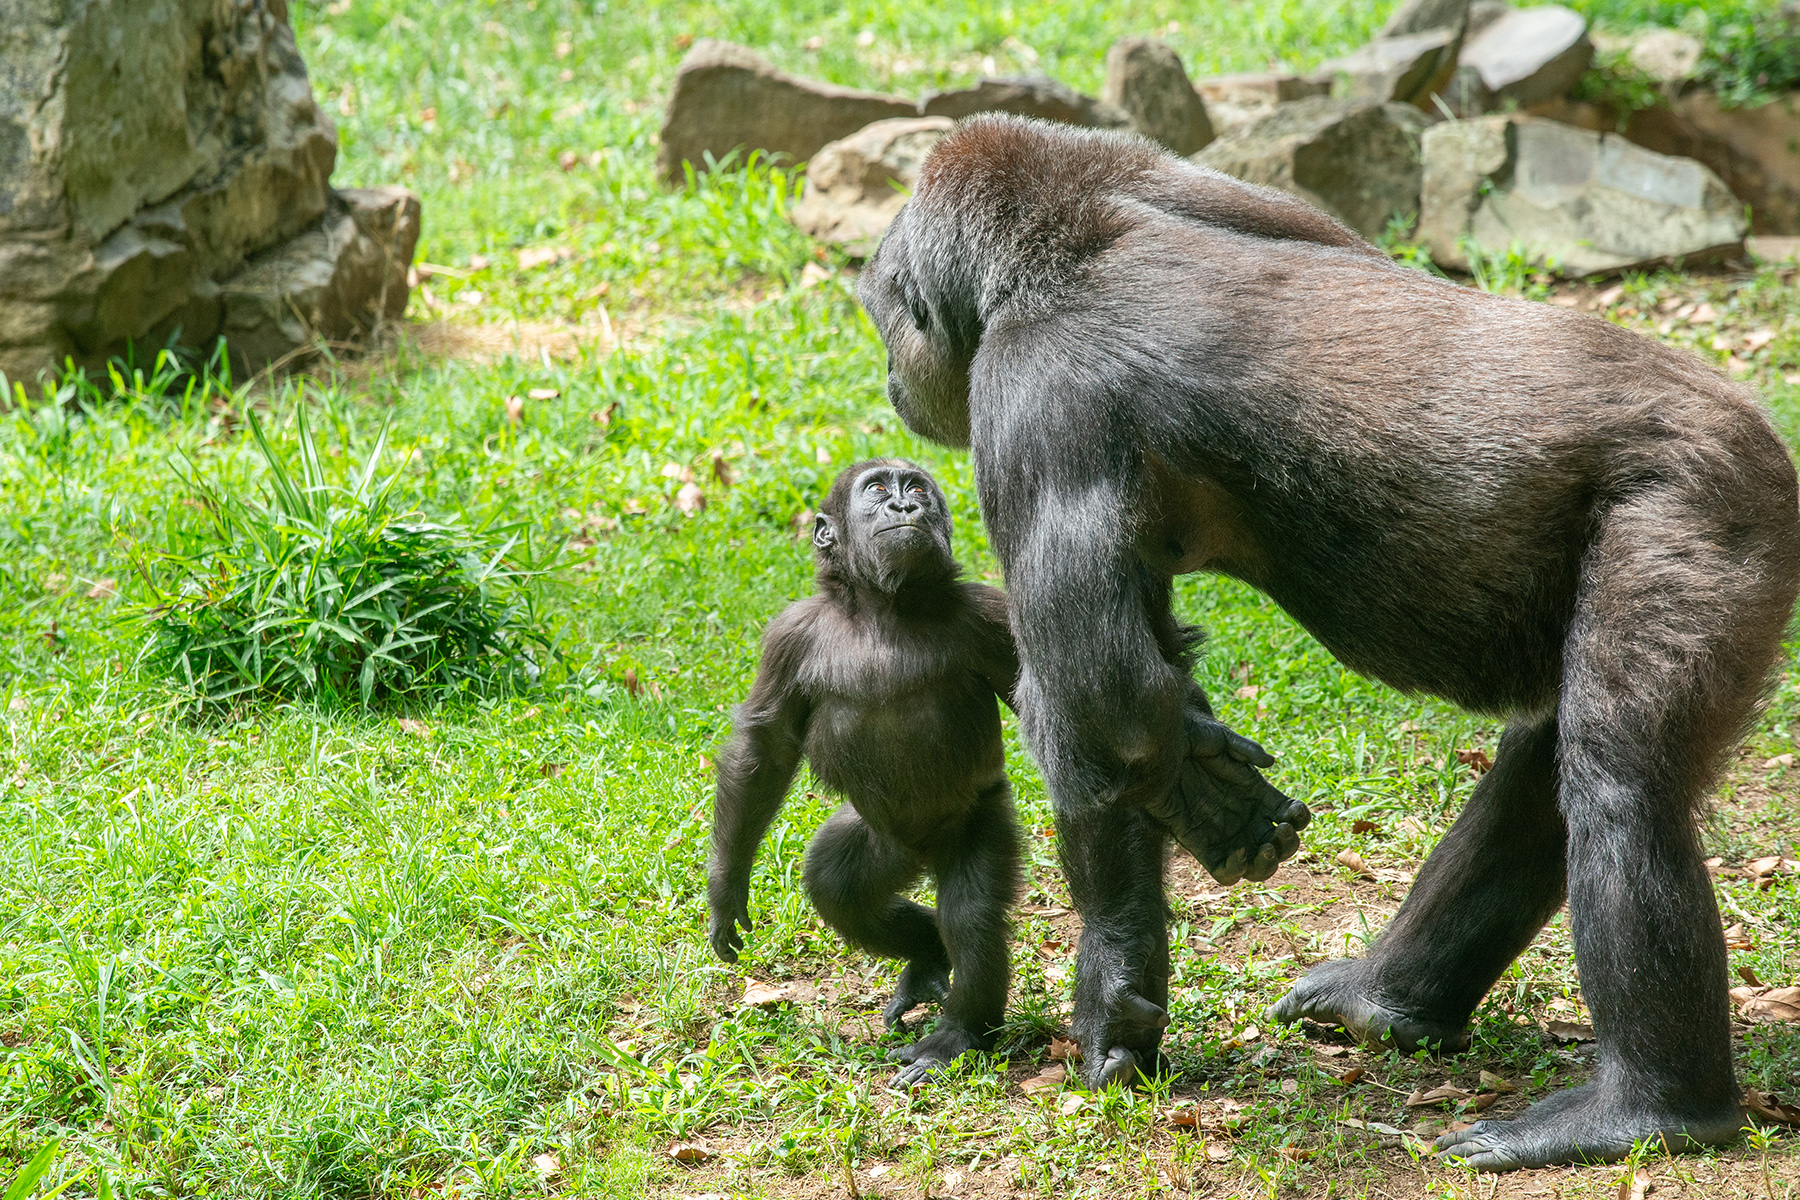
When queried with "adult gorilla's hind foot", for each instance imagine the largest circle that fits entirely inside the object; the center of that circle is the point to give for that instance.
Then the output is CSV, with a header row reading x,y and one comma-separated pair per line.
x,y
1586,1124
1341,993
922,982
1223,811
931,1053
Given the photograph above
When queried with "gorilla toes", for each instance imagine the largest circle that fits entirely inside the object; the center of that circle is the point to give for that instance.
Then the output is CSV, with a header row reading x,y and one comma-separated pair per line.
x,y
1584,1124
1222,809
1342,993
931,1054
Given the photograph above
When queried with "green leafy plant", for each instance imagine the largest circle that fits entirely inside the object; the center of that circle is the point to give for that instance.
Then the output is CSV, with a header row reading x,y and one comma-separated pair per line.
x,y
1512,271
333,593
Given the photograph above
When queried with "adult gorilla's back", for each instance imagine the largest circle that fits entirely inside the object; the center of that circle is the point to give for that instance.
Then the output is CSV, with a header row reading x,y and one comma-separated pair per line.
x,y
1525,510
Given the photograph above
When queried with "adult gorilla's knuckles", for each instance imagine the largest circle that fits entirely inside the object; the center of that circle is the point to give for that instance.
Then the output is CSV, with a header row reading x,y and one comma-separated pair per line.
x,y
1624,546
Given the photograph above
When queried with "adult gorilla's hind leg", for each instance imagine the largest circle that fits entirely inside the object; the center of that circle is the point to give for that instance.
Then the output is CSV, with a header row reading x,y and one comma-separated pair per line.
x,y
1113,860
977,876
853,875
1480,898
1680,615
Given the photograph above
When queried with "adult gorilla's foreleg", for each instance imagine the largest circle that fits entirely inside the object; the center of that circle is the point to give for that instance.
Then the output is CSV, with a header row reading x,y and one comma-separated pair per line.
x,y
1113,860
1480,898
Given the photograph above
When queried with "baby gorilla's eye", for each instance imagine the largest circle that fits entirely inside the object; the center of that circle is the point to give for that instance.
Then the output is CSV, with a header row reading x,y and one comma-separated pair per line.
x,y
876,487
917,490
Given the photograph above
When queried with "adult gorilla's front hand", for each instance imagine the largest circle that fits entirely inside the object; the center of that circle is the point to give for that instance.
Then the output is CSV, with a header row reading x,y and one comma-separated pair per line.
x,y
1238,824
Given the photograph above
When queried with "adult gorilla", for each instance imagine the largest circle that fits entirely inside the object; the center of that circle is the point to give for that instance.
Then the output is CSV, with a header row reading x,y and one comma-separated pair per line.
x,y
1525,510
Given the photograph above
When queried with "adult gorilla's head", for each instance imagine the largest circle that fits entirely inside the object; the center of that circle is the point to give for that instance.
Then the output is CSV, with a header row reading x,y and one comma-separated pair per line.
x,y
930,338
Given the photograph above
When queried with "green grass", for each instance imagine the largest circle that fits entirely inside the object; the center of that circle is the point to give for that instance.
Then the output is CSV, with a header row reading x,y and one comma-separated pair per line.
x,y
307,950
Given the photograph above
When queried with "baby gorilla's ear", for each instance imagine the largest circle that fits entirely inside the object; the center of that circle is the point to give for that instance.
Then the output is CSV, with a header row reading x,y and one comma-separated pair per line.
x,y
825,532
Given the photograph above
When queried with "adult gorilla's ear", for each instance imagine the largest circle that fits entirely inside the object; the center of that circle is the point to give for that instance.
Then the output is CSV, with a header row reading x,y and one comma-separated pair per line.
x,y
825,532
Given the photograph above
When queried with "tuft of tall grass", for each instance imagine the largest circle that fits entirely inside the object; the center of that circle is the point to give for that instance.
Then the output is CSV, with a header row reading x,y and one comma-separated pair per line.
x,y
333,593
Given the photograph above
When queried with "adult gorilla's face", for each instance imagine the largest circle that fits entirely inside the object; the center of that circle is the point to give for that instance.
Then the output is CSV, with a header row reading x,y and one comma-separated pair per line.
x,y
928,374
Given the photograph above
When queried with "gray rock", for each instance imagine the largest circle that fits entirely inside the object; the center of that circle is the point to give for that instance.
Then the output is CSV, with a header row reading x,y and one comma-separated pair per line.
x,y
1483,13
148,148
1529,55
1028,96
336,281
1408,69
727,97
1355,159
1144,77
1756,151
1420,16
1593,202
856,186
1665,55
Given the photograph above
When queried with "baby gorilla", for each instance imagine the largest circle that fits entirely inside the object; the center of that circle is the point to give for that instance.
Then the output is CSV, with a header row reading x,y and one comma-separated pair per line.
x,y
885,680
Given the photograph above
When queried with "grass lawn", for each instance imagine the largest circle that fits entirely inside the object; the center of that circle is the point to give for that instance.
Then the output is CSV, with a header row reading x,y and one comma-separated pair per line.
x,y
457,948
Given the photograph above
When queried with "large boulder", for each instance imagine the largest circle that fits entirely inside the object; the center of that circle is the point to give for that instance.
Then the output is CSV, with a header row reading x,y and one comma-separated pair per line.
x,y
1756,151
728,97
1354,159
1026,96
1145,79
1523,56
149,150
855,187
1591,202
1409,68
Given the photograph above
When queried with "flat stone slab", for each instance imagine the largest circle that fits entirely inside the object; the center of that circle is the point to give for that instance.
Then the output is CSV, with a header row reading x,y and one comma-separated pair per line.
x,y
1591,202
1406,68
1529,55
1026,96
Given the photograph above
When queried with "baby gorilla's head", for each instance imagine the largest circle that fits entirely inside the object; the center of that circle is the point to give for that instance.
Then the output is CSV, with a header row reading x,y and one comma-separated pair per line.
x,y
884,524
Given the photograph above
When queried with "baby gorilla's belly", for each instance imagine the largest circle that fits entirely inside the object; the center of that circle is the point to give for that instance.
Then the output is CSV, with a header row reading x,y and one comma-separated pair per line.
x,y
913,770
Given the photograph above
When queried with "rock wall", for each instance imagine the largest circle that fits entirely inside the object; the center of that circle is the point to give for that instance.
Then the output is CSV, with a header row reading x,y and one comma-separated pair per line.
x,y
156,156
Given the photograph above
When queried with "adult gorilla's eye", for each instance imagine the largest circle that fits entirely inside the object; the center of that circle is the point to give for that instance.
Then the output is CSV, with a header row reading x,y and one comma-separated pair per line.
x,y
920,314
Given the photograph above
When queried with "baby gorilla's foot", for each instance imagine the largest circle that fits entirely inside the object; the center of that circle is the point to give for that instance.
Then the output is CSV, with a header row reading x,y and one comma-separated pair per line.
x,y
1222,809
1342,993
920,983
1584,1124
930,1054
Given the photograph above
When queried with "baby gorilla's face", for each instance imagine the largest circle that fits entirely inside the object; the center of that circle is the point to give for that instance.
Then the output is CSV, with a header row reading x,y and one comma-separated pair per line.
x,y
898,525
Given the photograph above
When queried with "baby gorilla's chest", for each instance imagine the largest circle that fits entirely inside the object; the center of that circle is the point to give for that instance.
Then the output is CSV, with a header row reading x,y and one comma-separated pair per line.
x,y
908,736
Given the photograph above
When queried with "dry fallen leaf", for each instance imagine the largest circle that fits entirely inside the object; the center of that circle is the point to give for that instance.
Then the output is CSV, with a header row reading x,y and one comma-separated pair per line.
x,y
1775,1004
550,770
1569,1031
758,994
1757,339
543,394
1185,1117
1070,1104
1491,1082
533,257
631,681
691,1153
1351,861
677,471
1736,938
1703,314
1476,760
721,470
1049,1079
1331,1051
1443,1094
1371,1126
1635,1186
1770,1109
1610,296
604,417
1063,1049
547,1164
104,589
1247,692
1351,1077
1748,975
690,499
515,409
1362,826
417,728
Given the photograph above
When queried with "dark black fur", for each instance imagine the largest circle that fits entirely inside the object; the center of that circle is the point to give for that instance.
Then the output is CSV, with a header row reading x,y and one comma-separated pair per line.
x,y
1526,510
886,681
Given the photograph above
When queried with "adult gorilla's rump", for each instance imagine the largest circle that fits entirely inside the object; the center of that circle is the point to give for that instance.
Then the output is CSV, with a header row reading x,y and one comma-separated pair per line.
x,y
1525,510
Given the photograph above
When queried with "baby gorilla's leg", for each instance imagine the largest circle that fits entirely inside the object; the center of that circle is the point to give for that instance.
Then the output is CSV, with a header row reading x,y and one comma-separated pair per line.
x,y
853,875
977,882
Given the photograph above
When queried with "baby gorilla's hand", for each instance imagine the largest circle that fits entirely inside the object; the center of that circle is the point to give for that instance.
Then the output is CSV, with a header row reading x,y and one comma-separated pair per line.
x,y
1222,809
730,909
